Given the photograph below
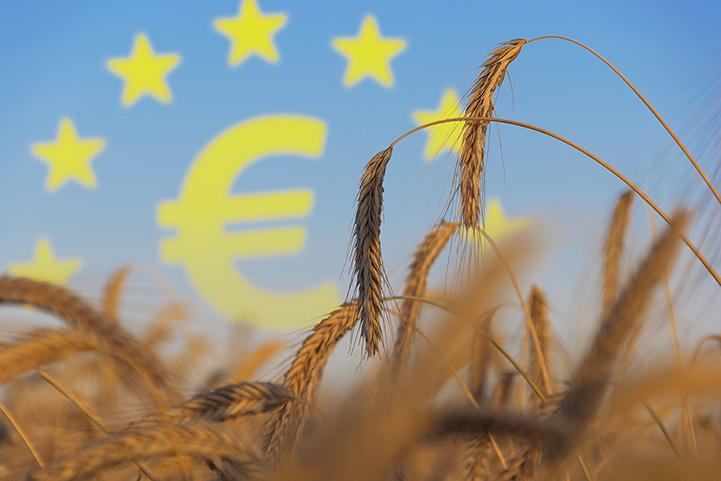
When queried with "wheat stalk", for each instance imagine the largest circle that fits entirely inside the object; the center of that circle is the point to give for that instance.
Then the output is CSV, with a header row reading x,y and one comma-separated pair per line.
x,y
618,174
648,105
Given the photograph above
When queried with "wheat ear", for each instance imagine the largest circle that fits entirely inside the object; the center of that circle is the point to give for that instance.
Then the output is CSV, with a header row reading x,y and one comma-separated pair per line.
x,y
302,379
590,378
367,260
481,104
41,347
539,317
474,462
225,403
423,259
112,292
80,315
613,250
163,441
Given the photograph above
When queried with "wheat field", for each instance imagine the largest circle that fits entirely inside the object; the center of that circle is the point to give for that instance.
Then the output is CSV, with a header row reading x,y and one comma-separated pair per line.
x,y
451,397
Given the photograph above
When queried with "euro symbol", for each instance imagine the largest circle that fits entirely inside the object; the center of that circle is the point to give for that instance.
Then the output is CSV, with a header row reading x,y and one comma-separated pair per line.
x,y
205,206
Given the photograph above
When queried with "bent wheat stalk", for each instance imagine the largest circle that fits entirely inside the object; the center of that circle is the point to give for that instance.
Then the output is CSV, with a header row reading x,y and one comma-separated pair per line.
x,y
661,213
648,105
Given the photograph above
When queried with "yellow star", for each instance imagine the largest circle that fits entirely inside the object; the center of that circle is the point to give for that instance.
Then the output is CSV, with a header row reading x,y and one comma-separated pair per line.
x,y
144,72
368,54
497,225
442,136
251,32
45,266
68,157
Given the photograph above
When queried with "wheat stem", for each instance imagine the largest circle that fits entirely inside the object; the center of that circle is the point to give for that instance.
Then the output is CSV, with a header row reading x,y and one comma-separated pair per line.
x,y
648,105
526,311
696,252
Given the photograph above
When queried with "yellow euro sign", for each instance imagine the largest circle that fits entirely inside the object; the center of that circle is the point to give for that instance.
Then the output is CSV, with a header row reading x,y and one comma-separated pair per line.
x,y
205,205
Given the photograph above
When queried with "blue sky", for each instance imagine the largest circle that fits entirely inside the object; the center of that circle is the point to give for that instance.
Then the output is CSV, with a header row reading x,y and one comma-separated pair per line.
x,y
53,58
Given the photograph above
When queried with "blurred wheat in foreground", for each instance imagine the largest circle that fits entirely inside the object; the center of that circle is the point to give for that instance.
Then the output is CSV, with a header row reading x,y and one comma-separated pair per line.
x,y
454,397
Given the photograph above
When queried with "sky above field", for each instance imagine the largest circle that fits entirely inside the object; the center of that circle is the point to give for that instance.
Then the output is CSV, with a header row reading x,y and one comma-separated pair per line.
x,y
220,143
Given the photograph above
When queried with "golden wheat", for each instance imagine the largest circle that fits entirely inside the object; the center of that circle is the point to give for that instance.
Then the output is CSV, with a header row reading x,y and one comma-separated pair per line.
x,y
481,104
367,260
456,409
423,259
